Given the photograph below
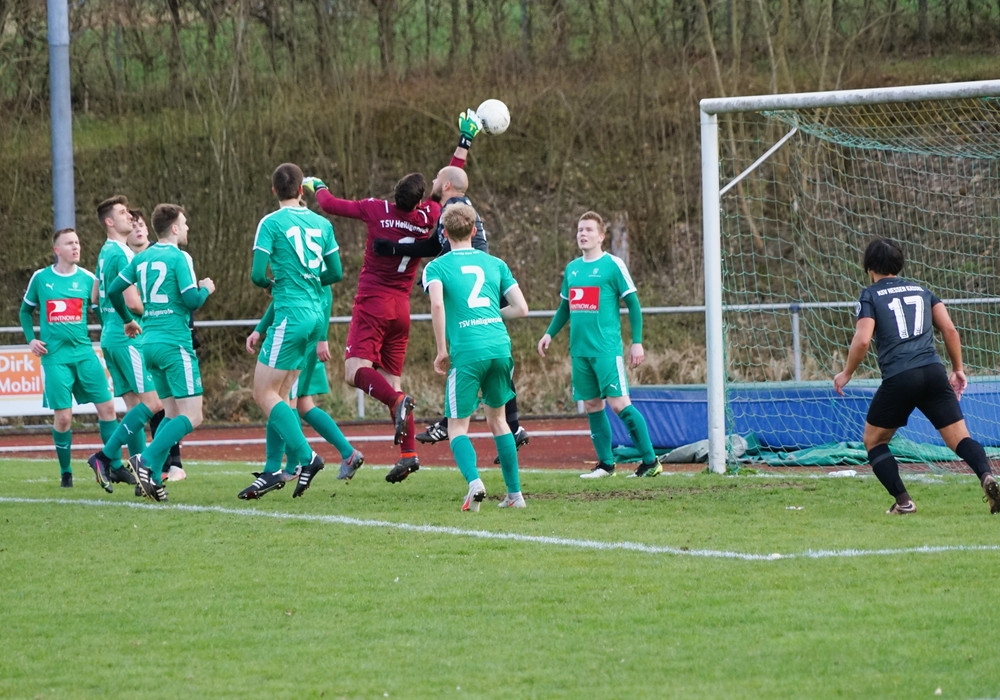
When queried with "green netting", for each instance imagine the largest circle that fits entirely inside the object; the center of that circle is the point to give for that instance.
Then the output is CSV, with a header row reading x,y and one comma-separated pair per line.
x,y
793,231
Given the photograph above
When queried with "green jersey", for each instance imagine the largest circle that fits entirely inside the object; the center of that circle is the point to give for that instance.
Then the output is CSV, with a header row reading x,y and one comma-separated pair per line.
x,y
162,273
296,240
473,282
113,258
594,291
62,302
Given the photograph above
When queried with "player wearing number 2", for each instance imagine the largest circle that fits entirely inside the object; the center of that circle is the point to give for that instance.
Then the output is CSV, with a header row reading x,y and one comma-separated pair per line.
x,y
465,286
380,320
900,316
304,257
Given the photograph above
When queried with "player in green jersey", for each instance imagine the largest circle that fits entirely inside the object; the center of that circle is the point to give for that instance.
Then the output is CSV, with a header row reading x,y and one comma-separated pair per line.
x,y
122,355
70,369
165,278
465,286
138,241
592,288
299,247
302,395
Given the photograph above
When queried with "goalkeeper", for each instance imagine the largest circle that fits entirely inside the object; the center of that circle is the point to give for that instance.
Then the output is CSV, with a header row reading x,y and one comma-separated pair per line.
x,y
449,188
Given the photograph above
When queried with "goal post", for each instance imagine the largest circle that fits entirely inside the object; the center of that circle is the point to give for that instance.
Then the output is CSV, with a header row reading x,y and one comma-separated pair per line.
x,y
794,186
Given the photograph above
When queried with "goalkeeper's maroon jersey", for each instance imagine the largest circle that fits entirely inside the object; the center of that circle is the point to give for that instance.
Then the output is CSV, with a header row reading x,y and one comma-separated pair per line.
x,y
385,274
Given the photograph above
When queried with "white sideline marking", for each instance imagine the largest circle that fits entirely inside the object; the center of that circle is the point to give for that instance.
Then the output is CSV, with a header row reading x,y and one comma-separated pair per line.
x,y
531,539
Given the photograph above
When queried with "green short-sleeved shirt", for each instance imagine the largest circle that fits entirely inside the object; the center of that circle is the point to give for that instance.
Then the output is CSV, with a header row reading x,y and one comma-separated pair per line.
x,y
296,240
162,273
473,282
62,302
113,258
594,291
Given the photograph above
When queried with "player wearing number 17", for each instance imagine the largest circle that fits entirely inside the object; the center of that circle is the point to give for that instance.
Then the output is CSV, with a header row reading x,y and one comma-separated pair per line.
x,y
900,316
465,287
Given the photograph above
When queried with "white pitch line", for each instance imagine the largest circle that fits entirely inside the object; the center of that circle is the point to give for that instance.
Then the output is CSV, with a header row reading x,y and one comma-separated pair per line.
x,y
514,537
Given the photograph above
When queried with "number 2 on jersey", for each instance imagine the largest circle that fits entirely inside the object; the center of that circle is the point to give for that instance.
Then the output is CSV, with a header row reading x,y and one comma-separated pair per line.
x,y
476,301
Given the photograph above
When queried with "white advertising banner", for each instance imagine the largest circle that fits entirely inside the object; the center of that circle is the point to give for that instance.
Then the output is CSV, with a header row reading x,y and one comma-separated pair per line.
x,y
21,384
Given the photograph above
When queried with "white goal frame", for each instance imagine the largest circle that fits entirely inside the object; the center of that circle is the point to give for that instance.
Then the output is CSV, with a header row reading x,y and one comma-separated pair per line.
x,y
712,193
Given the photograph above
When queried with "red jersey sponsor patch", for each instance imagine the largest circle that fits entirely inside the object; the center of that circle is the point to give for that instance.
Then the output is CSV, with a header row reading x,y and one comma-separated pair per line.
x,y
584,298
64,310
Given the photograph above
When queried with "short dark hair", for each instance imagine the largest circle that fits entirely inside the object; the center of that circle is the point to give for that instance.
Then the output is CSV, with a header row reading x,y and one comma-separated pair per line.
x,y
57,234
459,220
287,180
164,216
884,256
409,191
105,207
137,214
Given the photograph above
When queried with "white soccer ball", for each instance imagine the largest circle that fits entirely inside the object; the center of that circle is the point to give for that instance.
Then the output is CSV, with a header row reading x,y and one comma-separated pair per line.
x,y
495,116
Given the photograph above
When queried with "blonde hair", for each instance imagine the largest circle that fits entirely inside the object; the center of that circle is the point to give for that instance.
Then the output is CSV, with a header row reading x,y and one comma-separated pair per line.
x,y
459,220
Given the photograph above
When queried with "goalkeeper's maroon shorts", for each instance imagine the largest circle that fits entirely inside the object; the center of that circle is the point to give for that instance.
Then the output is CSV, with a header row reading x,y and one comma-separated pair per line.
x,y
379,331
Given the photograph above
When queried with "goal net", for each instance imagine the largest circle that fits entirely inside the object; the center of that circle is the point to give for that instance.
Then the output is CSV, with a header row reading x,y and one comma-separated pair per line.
x,y
795,186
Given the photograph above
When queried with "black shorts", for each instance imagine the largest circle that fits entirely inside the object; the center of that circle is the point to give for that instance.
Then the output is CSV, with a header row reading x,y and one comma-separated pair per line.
x,y
926,388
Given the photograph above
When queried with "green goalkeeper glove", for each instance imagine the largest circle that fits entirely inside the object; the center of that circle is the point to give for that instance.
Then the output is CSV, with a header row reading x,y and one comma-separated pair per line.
x,y
311,184
469,124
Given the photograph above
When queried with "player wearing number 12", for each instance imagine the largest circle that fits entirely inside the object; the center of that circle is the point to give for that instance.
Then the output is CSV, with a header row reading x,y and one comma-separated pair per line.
x,y
465,287
304,257
900,316
170,291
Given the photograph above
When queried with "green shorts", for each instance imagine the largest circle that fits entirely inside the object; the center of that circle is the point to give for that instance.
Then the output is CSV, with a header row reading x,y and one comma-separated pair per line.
x,y
292,335
128,369
494,377
314,374
174,368
599,377
84,379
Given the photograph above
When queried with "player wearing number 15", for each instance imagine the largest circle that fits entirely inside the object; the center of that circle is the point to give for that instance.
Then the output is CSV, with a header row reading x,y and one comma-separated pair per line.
x,y
900,316
164,276
465,287
304,257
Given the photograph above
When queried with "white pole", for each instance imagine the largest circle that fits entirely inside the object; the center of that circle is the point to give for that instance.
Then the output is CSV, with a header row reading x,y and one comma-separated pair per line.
x,y
712,243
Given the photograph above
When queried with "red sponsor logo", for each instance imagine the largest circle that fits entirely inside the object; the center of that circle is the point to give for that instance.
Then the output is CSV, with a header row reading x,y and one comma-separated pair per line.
x,y
584,298
64,310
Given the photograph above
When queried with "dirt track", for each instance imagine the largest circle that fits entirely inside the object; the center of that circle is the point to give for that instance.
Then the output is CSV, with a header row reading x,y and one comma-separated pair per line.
x,y
560,443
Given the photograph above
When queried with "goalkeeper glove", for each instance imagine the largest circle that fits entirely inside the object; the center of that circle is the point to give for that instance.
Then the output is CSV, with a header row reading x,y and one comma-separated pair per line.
x,y
311,184
383,246
469,124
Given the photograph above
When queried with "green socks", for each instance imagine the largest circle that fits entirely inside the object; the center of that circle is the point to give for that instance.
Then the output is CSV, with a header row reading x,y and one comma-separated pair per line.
x,y
600,435
170,432
328,429
636,425
465,457
107,428
64,444
286,422
507,449
133,422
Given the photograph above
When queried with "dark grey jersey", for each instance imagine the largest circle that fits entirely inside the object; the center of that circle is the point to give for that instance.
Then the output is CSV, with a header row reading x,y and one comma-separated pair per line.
x,y
904,331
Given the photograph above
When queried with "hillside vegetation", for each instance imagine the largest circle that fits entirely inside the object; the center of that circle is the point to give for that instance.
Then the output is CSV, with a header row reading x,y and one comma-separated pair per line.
x,y
196,102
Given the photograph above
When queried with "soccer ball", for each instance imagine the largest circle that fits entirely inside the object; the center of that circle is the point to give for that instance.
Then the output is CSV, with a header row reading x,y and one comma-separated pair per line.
x,y
495,116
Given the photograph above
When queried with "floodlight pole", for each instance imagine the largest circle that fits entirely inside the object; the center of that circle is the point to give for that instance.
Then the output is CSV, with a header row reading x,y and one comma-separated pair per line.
x,y
61,113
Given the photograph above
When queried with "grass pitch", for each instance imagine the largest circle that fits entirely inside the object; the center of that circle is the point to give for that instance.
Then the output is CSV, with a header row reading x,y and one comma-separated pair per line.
x,y
687,585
